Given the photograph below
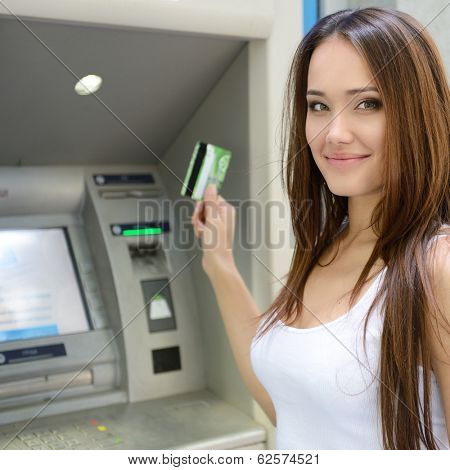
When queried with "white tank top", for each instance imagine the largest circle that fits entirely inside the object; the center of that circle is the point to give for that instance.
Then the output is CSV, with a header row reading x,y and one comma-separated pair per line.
x,y
323,397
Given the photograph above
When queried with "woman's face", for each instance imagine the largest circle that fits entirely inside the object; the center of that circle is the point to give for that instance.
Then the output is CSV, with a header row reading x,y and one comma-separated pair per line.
x,y
358,130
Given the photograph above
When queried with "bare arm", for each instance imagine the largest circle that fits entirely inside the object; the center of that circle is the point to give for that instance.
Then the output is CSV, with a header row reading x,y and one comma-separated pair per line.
x,y
213,221
439,267
240,315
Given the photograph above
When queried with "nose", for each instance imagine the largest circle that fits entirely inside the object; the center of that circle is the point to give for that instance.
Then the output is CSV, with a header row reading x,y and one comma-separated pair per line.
x,y
338,131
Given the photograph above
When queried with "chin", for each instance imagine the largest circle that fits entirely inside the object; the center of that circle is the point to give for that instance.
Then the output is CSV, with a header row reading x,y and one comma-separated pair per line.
x,y
341,193
343,190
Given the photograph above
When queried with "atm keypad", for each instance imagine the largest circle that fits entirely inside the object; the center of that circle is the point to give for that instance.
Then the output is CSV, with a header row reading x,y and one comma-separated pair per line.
x,y
78,435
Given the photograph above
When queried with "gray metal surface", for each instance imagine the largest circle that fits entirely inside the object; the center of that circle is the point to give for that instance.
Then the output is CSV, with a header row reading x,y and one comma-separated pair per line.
x,y
197,420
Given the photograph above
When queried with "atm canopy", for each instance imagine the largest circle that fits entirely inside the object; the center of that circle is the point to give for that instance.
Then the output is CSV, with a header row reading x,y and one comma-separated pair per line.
x,y
153,79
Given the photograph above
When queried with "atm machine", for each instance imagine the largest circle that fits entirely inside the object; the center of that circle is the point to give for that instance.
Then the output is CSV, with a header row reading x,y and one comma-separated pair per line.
x,y
97,312
106,338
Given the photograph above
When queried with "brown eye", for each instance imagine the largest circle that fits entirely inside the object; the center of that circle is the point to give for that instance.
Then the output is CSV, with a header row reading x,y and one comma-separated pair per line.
x,y
374,104
314,103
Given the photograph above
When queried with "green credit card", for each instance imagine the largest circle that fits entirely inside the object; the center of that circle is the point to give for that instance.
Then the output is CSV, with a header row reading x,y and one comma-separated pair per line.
x,y
208,165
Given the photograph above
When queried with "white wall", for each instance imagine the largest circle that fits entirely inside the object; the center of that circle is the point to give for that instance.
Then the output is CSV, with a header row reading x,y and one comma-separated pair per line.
x,y
436,18
433,14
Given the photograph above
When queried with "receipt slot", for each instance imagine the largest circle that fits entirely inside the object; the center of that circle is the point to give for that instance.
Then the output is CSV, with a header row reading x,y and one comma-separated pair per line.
x,y
158,301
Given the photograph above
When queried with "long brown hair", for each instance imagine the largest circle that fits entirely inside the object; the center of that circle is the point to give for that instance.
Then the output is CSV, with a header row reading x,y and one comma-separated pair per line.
x,y
414,203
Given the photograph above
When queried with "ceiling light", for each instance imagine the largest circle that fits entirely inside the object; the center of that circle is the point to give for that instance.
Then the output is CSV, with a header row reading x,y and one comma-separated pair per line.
x,y
88,84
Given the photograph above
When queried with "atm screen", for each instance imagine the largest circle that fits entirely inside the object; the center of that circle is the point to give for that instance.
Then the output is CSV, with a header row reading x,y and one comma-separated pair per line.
x,y
39,290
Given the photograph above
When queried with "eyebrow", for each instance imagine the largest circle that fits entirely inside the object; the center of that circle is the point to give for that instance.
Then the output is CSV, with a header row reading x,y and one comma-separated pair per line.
x,y
348,92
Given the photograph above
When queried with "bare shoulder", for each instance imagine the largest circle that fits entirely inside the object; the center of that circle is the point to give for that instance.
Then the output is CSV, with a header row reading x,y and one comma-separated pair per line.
x,y
439,264
439,257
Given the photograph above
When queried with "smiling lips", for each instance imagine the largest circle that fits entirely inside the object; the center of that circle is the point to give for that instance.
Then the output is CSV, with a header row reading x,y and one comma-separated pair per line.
x,y
346,161
342,156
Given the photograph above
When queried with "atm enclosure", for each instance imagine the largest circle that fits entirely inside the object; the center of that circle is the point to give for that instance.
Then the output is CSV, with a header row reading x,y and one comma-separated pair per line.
x,y
110,334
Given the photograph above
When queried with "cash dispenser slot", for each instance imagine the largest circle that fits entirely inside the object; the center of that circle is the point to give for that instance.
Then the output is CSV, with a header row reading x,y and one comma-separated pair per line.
x,y
126,185
123,193
51,382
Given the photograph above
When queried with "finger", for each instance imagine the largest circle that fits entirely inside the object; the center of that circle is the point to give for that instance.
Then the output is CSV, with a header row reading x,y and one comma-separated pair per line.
x,y
194,214
210,203
222,206
194,224
210,193
198,228
197,211
201,211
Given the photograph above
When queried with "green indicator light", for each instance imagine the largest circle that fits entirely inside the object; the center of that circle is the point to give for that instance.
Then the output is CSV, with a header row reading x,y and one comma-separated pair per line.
x,y
141,231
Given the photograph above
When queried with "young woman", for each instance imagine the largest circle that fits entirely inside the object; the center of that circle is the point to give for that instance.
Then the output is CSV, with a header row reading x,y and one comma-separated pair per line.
x,y
354,353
